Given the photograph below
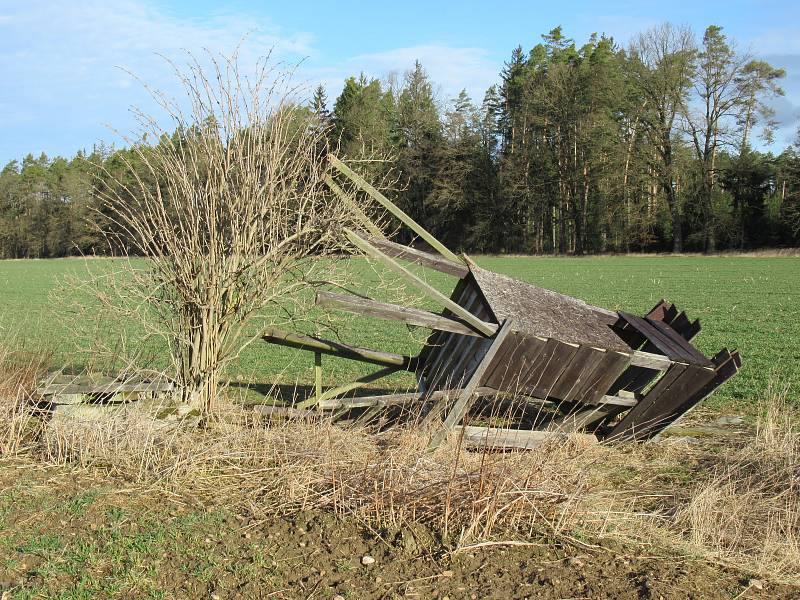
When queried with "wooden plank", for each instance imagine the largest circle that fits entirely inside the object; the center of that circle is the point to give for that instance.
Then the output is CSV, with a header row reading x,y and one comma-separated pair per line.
x,y
393,312
660,414
691,330
460,368
619,400
487,329
607,371
575,375
466,398
637,416
542,375
522,439
274,335
582,419
691,353
648,360
726,366
107,386
395,399
353,206
518,358
285,411
419,257
653,335
394,209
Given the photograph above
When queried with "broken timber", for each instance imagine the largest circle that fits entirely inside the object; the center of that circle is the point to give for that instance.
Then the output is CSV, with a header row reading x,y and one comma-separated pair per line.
x,y
547,364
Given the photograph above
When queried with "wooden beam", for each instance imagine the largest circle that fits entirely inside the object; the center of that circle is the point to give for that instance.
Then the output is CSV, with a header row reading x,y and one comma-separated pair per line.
x,y
393,312
419,257
523,439
617,401
394,399
648,360
487,329
285,411
467,396
314,344
106,385
351,204
392,208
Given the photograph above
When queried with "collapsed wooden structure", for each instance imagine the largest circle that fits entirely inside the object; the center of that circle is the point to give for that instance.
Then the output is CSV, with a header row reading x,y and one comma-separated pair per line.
x,y
502,350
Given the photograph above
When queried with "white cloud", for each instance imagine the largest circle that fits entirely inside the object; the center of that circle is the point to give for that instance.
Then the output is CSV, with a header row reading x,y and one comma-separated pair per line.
x,y
67,62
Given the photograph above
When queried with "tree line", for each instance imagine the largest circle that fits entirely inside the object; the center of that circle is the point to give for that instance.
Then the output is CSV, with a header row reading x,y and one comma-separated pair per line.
x,y
580,148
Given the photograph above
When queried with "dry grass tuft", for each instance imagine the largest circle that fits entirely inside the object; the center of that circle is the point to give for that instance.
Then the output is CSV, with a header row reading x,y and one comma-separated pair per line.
x,y
734,500
19,372
747,513
388,480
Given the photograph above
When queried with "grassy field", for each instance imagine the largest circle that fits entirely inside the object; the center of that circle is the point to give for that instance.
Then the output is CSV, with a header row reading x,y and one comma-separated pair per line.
x,y
749,303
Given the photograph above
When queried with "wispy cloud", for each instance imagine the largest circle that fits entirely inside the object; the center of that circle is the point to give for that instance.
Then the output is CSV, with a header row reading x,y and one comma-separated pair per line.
x,y
68,63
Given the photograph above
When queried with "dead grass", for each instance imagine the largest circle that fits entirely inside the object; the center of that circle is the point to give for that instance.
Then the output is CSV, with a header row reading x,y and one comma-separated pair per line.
x,y
747,513
734,501
19,425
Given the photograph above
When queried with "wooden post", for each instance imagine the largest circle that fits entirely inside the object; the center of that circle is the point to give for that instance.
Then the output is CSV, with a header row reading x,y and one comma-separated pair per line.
x,y
485,328
394,209
351,204
318,375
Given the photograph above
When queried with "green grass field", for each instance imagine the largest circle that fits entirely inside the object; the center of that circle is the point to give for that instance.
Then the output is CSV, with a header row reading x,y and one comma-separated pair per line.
x,y
749,303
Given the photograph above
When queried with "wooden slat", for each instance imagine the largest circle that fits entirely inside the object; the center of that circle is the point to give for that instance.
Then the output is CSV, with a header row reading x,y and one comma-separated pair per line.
x,y
543,374
395,399
420,258
353,206
106,386
522,439
637,416
579,371
726,366
315,344
393,312
394,209
487,329
286,411
664,344
658,362
348,387
519,355
690,352
582,419
466,398
603,377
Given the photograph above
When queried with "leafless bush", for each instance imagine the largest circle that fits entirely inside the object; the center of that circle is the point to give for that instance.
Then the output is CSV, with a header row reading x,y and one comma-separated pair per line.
x,y
228,205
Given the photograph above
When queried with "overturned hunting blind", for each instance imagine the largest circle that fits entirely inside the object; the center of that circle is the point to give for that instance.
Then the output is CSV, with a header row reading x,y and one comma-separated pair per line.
x,y
505,352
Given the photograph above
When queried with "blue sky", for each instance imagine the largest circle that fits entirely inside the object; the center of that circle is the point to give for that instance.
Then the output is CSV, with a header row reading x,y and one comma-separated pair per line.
x,y
62,62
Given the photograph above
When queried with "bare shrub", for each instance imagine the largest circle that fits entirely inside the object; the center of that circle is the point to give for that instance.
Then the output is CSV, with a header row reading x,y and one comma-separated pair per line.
x,y
227,205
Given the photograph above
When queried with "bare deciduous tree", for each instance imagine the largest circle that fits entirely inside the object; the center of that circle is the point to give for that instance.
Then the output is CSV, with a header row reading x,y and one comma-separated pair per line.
x,y
230,210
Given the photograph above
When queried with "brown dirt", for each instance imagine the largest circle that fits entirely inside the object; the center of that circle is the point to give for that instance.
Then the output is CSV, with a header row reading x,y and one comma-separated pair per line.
x,y
80,534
